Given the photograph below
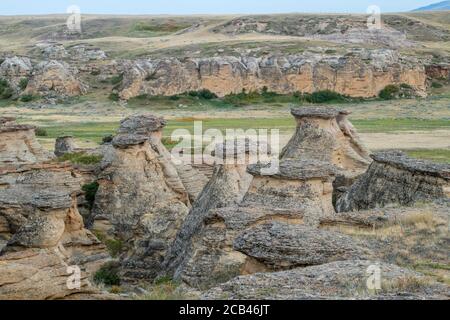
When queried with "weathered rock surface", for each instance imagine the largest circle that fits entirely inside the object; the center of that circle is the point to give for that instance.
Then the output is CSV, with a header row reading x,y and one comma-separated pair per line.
x,y
335,280
280,245
227,186
138,200
18,144
325,134
45,234
14,69
55,78
360,73
64,144
394,178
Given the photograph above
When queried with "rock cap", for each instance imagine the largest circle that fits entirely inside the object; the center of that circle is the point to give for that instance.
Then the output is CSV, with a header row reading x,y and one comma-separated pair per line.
x,y
323,112
141,124
296,169
126,140
400,160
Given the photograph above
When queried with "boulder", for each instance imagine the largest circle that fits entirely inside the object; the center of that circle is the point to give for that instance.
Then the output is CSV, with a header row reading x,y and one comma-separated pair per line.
x,y
55,78
64,144
395,179
336,280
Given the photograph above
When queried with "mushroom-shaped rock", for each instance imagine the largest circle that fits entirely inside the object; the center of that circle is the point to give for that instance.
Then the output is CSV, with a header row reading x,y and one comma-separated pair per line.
x,y
395,178
18,144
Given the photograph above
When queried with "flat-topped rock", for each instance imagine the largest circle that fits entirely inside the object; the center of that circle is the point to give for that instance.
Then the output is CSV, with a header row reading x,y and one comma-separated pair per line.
x,y
126,140
401,160
323,112
296,170
394,178
141,124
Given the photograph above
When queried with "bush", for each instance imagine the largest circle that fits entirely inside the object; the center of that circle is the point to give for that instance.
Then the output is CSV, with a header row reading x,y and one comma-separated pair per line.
x,y
436,85
389,92
206,94
26,98
323,96
80,158
41,132
116,79
108,274
114,96
114,247
6,91
23,83
108,139
90,190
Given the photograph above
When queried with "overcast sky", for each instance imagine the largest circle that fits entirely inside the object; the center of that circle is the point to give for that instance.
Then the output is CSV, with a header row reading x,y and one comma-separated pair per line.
x,y
13,7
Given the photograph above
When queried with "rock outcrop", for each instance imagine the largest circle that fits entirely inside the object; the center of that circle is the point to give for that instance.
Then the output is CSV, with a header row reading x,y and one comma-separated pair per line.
x,y
64,144
288,204
55,78
227,186
14,69
18,144
336,280
140,199
394,178
359,74
45,234
325,134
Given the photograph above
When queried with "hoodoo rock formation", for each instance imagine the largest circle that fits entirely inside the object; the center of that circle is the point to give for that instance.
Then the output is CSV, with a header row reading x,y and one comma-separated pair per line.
x,y
18,144
140,200
227,186
359,74
394,178
44,233
64,144
325,134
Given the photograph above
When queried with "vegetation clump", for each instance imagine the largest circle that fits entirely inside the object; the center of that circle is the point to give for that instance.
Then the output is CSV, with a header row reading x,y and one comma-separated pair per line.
x,y
41,132
80,158
108,274
90,191
6,92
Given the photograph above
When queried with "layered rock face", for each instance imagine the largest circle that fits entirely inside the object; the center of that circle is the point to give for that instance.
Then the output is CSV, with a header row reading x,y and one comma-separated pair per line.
x,y
394,178
335,280
18,144
360,74
45,234
54,77
140,199
325,134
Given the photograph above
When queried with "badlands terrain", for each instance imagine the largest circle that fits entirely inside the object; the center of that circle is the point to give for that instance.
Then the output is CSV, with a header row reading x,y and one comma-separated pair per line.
x,y
87,180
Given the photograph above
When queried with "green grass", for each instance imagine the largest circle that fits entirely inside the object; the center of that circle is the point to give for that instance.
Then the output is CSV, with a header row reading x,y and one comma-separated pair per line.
x,y
406,124
95,131
436,155
80,158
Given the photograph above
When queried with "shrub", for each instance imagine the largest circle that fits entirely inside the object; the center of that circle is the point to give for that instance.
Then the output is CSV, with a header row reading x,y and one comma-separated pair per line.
x,y
107,139
90,190
114,247
114,96
26,98
41,132
108,274
389,92
80,158
23,83
323,96
116,79
6,91
206,94
436,85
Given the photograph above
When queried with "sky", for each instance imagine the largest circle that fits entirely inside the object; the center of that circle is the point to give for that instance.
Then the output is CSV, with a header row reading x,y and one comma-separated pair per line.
x,y
18,7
